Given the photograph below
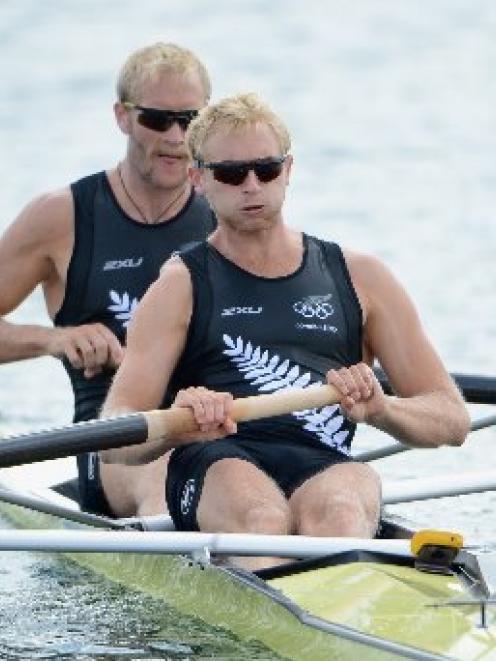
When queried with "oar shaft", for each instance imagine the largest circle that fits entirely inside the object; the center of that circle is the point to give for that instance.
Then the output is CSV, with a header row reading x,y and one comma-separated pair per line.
x,y
153,425
73,439
396,448
476,388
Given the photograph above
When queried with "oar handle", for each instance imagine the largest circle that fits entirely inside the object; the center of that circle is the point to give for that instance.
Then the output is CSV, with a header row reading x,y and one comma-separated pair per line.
x,y
174,421
138,428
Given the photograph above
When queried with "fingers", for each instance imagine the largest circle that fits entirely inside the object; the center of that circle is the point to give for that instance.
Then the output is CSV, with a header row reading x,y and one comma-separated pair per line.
x,y
115,350
355,382
90,347
211,410
362,395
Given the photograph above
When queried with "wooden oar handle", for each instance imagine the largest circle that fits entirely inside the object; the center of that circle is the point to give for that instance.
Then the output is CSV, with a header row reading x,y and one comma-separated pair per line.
x,y
174,421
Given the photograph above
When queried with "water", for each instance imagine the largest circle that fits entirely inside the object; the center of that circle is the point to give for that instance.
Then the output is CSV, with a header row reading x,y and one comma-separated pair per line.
x,y
391,108
56,610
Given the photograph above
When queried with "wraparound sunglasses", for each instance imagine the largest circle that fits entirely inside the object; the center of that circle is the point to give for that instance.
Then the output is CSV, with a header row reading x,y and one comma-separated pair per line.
x,y
161,120
235,172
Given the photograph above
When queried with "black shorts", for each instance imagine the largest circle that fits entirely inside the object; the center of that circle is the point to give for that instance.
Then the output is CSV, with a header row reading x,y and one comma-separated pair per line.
x,y
288,464
91,495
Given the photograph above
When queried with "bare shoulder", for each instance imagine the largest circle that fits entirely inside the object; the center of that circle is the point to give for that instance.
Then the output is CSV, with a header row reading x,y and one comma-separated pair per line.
x,y
373,280
36,248
174,275
168,300
363,265
47,218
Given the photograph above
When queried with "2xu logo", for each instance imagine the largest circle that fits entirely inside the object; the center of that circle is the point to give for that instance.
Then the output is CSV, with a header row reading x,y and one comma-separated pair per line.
x,y
231,312
130,263
315,307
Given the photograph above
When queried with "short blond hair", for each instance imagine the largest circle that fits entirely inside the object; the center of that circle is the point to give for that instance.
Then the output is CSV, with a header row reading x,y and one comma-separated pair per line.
x,y
234,113
144,63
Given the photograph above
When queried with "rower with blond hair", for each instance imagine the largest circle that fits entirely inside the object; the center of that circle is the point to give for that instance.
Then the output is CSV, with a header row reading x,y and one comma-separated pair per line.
x,y
261,307
95,246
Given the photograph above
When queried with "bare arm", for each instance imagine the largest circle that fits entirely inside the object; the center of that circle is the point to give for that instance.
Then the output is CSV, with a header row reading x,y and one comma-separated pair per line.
x,y
428,409
156,339
28,257
36,250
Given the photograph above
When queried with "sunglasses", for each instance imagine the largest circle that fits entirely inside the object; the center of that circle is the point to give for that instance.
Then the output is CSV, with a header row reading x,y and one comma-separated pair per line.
x,y
162,120
235,172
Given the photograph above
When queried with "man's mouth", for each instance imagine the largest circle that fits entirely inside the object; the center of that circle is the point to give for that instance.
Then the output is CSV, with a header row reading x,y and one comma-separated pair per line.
x,y
171,157
253,207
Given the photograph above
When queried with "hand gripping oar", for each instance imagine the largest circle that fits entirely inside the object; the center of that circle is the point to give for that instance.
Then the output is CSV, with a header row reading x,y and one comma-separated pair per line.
x,y
149,426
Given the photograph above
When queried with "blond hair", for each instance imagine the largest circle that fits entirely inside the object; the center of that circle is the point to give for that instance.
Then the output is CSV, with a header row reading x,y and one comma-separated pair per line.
x,y
235,113
144,63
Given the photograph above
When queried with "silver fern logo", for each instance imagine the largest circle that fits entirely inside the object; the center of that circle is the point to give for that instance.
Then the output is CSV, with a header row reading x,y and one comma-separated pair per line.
x,y
123,306
315,307
270,373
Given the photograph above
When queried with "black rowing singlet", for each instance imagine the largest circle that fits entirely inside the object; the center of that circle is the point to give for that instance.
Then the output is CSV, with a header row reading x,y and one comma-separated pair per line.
x,y
114,261
251,335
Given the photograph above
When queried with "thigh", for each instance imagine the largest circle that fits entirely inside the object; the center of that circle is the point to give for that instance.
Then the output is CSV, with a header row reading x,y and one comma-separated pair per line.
x,y
188,469
345,491
135,490
236,490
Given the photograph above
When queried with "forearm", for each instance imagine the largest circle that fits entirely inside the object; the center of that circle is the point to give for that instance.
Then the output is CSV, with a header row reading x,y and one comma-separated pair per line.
x,y
20,341
427,420
198,414
137,455
142,453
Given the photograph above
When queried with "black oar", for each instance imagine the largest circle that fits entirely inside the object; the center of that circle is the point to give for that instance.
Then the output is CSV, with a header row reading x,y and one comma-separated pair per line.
x,y
476,389
153,425
150,426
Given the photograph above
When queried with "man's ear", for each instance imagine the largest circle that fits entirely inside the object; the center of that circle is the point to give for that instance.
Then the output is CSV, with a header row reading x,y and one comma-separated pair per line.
x,y
122,117
288,165
195,176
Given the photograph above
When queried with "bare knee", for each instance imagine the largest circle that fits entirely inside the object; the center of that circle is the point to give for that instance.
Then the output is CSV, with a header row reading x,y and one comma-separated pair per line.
x,y
135,490
342,515
341,507
266,518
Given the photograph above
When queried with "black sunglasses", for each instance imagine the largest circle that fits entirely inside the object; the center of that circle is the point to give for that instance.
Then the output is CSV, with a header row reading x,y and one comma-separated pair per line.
x,y
235,172
162,120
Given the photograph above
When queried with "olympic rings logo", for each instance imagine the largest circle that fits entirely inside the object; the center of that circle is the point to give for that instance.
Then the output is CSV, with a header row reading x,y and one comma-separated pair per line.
x,y
314,306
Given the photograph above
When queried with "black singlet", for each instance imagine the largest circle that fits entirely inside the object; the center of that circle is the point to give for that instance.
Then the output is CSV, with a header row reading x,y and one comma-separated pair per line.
x,y
114,261
251,335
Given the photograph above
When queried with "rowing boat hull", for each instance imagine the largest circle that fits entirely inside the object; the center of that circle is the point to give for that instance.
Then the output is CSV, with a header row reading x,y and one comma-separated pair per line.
x,y
210,593
388,601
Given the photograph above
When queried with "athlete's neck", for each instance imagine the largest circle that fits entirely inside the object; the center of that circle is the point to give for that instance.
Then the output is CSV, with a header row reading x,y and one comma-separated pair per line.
x,y
146,202
270,253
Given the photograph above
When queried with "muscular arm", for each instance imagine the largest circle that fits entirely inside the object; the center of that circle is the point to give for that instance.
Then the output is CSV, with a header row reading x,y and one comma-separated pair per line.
x,y
32,253
156,339
36,250
428,409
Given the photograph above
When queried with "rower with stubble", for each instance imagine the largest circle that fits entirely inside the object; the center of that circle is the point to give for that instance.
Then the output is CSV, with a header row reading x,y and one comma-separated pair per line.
x,y
95,246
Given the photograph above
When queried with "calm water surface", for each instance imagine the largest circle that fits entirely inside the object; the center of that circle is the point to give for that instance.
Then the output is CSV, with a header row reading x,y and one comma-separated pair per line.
x,y
391,107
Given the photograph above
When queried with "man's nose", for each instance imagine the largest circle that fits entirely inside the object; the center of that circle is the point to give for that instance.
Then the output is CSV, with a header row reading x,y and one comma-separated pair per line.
x,y
251,181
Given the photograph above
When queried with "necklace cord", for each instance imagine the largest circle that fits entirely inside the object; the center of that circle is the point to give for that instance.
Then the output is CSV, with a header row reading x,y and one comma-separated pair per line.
x,y
138,209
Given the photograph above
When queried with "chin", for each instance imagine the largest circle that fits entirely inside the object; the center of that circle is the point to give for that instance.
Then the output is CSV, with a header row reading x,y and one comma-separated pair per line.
x,y
249,225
